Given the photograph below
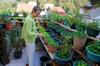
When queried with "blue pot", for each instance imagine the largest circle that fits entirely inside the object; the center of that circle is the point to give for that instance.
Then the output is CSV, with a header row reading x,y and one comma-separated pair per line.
x,y
62,61
1,26
92,56
75,63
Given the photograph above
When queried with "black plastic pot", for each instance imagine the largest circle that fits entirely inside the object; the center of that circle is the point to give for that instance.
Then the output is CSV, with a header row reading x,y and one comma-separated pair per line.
x,y
44,59
21,24
92,32
73,26
17,54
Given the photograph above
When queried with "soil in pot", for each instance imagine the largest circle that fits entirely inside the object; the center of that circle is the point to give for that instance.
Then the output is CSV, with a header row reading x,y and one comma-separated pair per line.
x,y
79,43
92,32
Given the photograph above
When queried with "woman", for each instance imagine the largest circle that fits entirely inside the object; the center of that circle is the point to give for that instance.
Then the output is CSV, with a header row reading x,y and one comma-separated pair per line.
x,y
29,33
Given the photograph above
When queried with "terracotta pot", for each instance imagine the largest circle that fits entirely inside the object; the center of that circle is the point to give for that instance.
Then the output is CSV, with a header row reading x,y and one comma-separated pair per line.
x,y
51,48
8,26
79,43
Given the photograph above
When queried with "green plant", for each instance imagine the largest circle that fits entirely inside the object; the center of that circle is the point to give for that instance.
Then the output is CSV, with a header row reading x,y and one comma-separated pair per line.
x,y
97,4
81,26
95,48
66,46
56,17
71,19
81,63
47,37
93,25
80,34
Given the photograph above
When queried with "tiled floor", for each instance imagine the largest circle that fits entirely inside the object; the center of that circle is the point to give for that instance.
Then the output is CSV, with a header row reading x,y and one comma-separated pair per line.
x,y
24,59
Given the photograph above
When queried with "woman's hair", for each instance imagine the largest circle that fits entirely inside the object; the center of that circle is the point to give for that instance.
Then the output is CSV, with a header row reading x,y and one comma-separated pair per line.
x,y
35,9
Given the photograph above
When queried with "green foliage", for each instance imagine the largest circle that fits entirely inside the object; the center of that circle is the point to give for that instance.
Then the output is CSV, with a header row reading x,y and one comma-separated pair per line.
x,y
47,36
81,63
97,4
95,47
5,15
80,34
66,46
72,20
93,25
56,17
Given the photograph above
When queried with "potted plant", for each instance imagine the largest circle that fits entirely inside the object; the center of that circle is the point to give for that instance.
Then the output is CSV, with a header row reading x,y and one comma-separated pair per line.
x,y
80,63
93,51
72,21
16,43
79,40
8,24
63,55
50,43
80,24
92,29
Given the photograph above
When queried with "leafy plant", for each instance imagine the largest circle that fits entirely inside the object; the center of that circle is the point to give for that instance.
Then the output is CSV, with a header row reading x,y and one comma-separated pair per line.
x,y
93,25
81,63
56,17
80,34
95,48
66,46
47,37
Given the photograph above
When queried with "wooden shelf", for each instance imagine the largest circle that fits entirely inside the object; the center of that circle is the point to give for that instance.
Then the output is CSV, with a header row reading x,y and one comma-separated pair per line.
x,y
73,30
50,54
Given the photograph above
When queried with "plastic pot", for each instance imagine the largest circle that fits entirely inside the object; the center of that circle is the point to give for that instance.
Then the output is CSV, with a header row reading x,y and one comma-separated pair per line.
x,y
73,26
21,24
44,59
9,26
76,62
79,43
17,54
62,61
92,32
18,24
1,26
51,48
92,56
